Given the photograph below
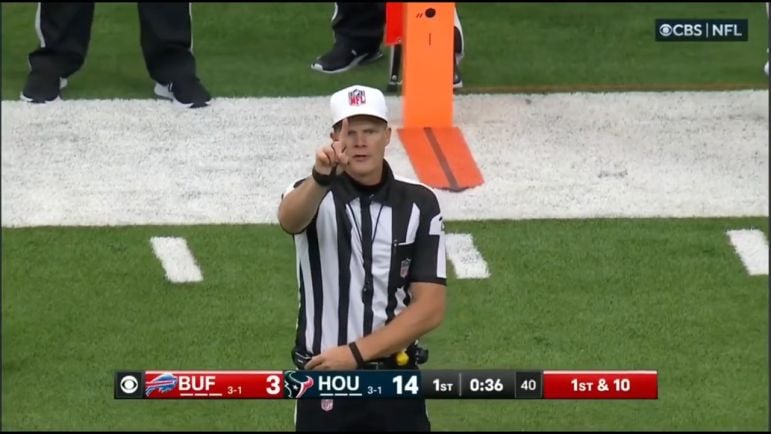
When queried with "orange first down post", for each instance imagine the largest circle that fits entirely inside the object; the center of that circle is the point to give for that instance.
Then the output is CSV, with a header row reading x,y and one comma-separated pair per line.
x,y
436,148
428,61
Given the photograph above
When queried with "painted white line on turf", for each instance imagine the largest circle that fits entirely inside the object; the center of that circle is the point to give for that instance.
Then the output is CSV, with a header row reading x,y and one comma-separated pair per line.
x,y
466,259
568,155
752,247
177,260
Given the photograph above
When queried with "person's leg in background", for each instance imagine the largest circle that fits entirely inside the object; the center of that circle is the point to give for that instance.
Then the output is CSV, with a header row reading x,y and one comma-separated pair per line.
x,y
768,15
167,45
358,32
459,44
64,32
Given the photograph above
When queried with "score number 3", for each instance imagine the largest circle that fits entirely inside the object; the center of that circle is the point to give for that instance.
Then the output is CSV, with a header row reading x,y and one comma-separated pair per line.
x,y
275,384
410,386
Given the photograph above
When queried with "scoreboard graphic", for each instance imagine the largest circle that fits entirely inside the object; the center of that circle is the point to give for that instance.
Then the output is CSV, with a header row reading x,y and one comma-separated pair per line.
x,y
385,384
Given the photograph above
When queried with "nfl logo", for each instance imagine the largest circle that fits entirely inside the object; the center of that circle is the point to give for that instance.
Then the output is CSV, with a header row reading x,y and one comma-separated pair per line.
x,y
326,404
405,268
356,97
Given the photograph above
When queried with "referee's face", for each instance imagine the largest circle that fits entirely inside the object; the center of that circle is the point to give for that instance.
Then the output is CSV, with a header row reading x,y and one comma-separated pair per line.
x,y
365,146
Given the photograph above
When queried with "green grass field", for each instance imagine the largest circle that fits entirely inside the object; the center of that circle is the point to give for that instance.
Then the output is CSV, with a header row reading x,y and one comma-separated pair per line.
x,y
669,295
657,294
244,49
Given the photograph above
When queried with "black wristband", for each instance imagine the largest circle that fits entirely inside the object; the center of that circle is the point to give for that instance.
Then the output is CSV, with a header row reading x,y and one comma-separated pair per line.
x,y
356,355
323,180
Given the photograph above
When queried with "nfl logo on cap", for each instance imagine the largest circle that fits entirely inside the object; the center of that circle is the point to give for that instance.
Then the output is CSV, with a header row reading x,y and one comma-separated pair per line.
x,y
357,97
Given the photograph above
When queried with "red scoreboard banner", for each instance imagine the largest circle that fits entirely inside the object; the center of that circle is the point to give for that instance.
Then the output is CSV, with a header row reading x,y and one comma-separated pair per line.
x,y
383,384
600,385
204,384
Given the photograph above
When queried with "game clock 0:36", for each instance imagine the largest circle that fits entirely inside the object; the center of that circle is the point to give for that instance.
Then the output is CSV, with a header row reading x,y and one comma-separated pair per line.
x,y
485,385
488,384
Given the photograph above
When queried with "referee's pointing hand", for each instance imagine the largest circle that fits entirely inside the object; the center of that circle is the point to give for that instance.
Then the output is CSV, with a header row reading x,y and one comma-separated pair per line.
x,y
334,359
332,157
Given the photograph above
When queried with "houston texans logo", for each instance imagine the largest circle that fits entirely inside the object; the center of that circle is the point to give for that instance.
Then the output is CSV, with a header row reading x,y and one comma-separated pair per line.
x,y
296,384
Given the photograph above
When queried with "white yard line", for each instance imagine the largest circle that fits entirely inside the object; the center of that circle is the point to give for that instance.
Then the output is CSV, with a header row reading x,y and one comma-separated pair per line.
x,y
752,247
466,260
177,260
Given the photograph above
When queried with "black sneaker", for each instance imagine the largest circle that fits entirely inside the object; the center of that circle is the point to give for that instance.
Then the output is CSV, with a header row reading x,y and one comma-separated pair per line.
x,y
187,92
341,58
41,88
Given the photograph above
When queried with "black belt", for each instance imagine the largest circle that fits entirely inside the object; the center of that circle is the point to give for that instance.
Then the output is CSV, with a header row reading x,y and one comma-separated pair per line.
x,y
417,356
387,363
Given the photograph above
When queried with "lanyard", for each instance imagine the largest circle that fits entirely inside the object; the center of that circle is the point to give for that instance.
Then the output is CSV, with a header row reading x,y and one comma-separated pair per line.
x,y
363,232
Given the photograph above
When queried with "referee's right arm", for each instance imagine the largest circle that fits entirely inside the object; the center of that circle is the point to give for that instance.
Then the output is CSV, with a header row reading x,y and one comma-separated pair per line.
x,y
299,204
298,207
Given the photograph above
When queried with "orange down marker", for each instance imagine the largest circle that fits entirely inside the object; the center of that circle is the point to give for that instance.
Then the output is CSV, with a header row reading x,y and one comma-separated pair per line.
x,y
437,149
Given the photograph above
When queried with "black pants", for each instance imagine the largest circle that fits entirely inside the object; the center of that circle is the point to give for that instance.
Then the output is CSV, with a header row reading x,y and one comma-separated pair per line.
x,y
362,415
361,26
65,32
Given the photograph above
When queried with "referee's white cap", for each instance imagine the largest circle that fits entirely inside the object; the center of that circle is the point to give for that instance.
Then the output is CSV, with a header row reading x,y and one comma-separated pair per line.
x,y
358,100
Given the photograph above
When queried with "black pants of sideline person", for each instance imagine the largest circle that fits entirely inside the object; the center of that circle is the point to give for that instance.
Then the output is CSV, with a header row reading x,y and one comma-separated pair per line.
x,y
64,31
361,26
361,415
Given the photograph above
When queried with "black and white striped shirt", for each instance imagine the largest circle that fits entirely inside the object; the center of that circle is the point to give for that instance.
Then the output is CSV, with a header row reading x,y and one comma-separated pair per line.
x,y
349,288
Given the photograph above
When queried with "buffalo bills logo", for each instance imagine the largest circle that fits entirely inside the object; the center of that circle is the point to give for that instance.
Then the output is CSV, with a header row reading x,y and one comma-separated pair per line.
x,y
162,383
296,384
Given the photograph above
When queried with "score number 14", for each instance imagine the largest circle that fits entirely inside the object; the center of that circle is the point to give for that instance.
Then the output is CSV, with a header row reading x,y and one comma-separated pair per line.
x,y
411,385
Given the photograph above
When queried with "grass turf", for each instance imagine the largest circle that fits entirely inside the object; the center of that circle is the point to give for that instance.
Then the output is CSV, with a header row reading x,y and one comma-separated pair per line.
x,y
668,295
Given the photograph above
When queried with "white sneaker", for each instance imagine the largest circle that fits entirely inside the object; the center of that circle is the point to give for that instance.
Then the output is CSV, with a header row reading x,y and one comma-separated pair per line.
x,y
765,69
186,93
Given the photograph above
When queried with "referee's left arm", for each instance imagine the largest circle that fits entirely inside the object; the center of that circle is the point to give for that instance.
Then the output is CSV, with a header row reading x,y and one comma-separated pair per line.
x,y
425,313
428,280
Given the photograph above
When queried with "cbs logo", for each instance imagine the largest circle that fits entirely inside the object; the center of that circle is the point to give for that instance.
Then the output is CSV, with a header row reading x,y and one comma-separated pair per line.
x,y
667,30
129,384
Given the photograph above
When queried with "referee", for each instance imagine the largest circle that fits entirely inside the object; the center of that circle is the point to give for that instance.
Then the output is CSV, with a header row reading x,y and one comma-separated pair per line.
x,y
371,266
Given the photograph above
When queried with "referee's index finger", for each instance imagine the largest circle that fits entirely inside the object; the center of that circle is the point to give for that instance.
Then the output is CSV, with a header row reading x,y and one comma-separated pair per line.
x,y
343,136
